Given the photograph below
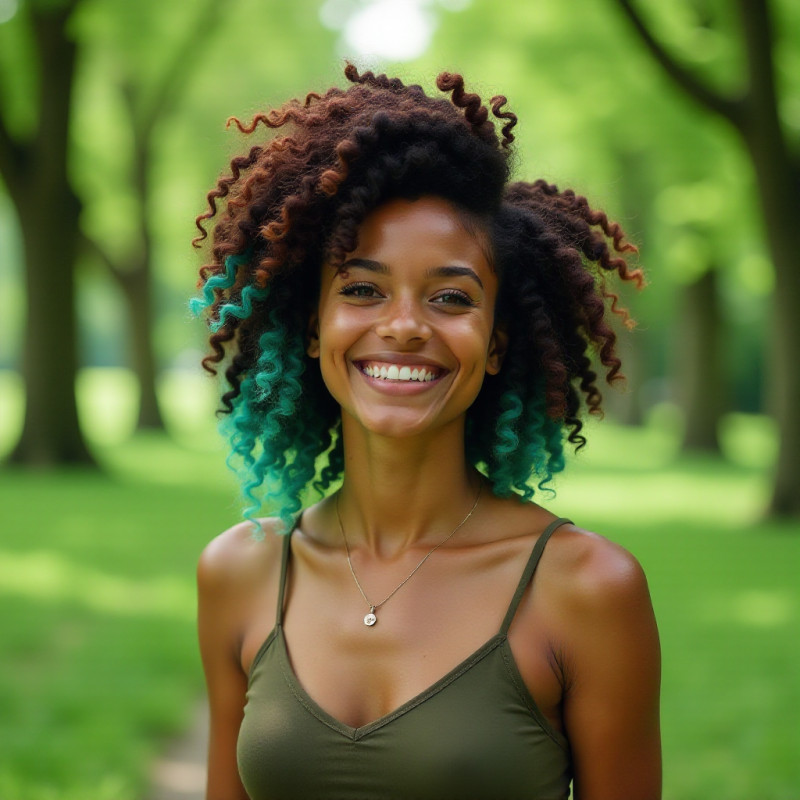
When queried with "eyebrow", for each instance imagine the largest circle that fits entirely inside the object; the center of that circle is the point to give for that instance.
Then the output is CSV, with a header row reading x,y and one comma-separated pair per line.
x,y
433,272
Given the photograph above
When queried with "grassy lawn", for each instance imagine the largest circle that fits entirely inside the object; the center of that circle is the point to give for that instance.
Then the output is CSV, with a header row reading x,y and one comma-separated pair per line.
x,y
99,661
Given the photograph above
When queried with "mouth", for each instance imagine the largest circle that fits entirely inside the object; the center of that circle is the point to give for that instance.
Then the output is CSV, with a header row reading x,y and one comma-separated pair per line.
x,y
400,373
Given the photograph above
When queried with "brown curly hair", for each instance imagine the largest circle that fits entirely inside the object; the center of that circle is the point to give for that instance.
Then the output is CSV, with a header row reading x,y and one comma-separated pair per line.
x,y
298,199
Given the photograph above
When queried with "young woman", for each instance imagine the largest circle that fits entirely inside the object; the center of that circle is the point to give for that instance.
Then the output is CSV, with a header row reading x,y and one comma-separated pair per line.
x,y
409,334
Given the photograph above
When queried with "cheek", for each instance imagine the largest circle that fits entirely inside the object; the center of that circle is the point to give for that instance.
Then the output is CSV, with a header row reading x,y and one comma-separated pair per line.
x,y
474,335
337,330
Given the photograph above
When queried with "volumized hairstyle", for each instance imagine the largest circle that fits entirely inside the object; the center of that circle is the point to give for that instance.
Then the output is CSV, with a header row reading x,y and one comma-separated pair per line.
x,y
297,200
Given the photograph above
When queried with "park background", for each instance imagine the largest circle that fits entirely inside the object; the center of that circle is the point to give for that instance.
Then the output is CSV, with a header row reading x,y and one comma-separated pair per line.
x,y
682,119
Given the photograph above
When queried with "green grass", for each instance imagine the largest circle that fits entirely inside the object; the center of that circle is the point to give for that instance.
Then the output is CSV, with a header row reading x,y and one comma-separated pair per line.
x,y
99,660
727,597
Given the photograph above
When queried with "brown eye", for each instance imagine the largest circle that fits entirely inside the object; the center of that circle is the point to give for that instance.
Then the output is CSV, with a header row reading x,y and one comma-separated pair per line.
x,y
359,290
453,297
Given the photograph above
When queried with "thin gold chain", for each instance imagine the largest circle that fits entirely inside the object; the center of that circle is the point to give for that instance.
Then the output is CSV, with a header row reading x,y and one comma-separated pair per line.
x,y
375,606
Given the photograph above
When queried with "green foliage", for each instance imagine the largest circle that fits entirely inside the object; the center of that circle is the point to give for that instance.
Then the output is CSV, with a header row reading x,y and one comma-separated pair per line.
x,y
598,114
18,74
595,112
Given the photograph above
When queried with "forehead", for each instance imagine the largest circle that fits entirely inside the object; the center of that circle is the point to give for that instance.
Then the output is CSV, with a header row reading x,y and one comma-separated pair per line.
x,y
429,229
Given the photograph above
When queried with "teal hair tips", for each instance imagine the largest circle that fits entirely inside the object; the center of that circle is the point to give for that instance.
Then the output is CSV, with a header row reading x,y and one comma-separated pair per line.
x,y
242,309
527,444
219,282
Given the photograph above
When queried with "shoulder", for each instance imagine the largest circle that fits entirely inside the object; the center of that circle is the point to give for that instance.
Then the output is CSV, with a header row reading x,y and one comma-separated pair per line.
x,y
234,559
609,667
594,597
598,600
590,571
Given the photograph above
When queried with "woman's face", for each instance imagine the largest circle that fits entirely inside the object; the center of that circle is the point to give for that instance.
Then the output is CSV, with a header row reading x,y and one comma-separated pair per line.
x,y
404,330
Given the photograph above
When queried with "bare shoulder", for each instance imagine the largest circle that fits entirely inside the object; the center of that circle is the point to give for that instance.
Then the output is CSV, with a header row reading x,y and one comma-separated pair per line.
x,y
236,558
605,642
589,571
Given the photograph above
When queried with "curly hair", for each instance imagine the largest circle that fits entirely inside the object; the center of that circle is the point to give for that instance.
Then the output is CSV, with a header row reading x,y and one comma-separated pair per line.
x,y
298,200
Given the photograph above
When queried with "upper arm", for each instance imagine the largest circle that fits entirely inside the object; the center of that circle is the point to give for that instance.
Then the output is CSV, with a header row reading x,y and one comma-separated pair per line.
x,y
611,700
223,602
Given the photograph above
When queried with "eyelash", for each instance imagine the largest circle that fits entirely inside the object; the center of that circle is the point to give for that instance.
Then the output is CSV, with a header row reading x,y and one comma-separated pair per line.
x,y
461,298
354,289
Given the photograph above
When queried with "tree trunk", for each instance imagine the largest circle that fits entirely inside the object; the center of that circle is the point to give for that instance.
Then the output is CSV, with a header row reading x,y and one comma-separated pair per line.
x,y
701,381
136,285
51,432
627,406
779,190
48,212
754,114
778,179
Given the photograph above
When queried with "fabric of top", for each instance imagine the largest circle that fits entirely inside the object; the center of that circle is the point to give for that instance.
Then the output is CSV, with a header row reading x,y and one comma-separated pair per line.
x,y
475,734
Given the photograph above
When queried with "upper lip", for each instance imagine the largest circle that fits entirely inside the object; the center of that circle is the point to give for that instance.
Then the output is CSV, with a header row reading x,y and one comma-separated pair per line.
x,y
409,359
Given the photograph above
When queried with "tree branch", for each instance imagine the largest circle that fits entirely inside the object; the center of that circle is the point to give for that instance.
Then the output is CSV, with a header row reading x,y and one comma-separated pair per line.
x,y
12,157
759,41
91,248
179,69
729,107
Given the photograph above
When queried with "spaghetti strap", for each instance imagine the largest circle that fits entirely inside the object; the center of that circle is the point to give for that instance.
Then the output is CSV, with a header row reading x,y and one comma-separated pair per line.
x,y
285,555
530,568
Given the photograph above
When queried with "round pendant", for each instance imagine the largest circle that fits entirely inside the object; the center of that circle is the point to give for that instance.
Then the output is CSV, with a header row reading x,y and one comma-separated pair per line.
x,y
370,619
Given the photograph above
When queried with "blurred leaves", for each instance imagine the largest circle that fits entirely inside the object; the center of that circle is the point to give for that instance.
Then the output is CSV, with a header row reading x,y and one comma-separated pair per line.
x,y
595,111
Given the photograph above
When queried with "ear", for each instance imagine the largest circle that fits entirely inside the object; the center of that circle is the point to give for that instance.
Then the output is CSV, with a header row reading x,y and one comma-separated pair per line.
x,y
312,335
498,345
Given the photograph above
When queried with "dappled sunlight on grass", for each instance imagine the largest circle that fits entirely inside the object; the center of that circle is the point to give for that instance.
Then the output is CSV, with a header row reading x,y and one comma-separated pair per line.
x,y
657,496
749,440
762,609
637,473
188,402
154,457
97,633
107,403
47,576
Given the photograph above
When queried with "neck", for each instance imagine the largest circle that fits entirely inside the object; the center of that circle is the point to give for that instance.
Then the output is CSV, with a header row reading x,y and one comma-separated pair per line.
x,y
399,492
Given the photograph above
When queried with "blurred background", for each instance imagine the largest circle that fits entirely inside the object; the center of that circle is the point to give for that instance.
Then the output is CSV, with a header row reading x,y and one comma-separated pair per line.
x,y
681,119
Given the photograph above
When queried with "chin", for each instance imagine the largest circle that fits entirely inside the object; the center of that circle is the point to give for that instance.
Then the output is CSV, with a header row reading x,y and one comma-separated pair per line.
x,y
403,426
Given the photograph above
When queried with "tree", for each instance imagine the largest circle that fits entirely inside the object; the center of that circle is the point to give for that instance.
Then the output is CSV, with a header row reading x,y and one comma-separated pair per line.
x,y
147,107
33,164
123,80
702,384
753,111
575,81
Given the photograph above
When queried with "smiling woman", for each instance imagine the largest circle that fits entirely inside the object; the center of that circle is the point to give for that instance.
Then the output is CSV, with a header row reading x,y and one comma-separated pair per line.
x,y
405,335
396,316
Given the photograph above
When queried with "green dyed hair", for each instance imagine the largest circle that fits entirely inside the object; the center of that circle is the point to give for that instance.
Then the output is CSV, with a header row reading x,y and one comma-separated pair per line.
x,y
297,200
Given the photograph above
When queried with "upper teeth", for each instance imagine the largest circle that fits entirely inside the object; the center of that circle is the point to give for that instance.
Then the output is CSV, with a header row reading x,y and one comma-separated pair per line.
x,y
395,373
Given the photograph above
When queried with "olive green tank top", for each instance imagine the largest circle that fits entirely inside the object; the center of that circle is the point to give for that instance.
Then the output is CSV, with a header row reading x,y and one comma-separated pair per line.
x,y
476,733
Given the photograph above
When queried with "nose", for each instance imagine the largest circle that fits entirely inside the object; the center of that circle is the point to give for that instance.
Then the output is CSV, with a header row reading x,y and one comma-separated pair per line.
x,y
403,321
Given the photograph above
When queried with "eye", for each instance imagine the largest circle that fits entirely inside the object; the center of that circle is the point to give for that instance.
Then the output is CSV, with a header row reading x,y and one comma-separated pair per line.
x,y
361,291
453,297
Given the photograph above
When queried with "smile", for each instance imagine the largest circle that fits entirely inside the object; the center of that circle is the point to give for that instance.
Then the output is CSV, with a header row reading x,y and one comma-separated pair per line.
x,y
393,372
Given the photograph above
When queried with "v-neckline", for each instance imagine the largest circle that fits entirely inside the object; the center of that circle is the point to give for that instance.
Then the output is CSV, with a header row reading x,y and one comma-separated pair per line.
x,y
311,705
495,641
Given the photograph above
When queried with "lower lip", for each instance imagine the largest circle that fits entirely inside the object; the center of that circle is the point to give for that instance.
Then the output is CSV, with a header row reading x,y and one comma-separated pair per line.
x,y
399,388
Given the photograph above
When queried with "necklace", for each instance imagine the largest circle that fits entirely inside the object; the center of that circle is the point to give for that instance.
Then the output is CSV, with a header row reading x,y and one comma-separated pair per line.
x,y
370,619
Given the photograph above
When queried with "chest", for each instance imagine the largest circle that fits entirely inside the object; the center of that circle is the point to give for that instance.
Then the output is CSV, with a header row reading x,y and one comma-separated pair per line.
x,y
358,674
473,735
